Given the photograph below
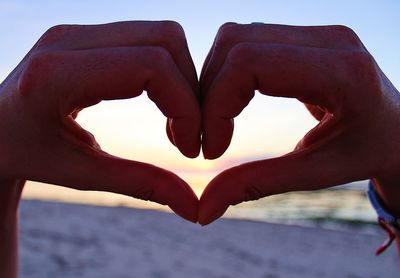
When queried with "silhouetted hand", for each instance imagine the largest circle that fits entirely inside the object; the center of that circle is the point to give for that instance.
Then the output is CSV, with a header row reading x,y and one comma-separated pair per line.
x,y
329,70
72,67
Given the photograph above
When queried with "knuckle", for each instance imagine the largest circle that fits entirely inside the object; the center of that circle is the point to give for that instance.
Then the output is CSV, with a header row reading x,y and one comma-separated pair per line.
x,y
362,77
171,27
240,54
54,34
227,26
37,70
365,69
159,57
342,29
144,193
347,34
252,192
226,34
172,36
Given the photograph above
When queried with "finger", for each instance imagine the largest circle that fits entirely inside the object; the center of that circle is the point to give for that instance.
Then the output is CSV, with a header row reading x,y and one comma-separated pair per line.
x,y
315,111
210,53
313,75
322,165
91,169
169,132
203,70
85,77
205,64
166,34
229,35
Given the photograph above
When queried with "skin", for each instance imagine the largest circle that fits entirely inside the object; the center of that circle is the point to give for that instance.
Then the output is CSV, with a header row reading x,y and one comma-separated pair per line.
x,y
329,70
72,67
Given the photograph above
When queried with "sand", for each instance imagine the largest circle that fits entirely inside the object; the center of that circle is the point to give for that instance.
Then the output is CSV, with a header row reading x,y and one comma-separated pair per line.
x,y
65,240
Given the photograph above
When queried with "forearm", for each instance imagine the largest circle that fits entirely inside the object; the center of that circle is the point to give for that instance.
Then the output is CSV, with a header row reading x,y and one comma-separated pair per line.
x,y
10,192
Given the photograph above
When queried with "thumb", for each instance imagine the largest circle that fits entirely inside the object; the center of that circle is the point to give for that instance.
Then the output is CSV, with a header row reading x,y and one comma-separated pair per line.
x,y
300,170
93,169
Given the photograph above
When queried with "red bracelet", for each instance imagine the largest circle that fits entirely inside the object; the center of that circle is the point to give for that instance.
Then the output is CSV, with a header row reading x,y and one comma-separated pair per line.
x,y
389,240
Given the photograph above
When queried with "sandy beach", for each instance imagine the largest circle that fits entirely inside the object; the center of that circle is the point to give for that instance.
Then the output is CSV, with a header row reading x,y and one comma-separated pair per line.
x,y
69,240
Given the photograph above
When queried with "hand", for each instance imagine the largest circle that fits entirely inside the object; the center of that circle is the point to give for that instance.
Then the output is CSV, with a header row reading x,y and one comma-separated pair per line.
x,y
331,72
72,67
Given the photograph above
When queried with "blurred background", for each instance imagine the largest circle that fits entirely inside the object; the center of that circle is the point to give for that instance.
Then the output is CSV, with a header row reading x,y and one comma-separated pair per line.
x,y
268,127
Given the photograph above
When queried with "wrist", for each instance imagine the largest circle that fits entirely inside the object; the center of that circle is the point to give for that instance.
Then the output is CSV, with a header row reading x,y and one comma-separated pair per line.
x,y
388,190
10,195
386,183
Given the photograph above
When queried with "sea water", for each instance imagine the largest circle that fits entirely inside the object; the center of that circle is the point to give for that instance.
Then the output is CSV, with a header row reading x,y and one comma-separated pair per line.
x,y
338,207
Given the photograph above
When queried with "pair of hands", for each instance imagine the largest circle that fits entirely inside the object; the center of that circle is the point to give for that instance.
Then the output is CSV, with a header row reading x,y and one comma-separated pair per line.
x,y
327,68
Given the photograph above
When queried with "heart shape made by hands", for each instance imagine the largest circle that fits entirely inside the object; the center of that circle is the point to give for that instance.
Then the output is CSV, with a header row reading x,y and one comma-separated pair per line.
x,y
73,67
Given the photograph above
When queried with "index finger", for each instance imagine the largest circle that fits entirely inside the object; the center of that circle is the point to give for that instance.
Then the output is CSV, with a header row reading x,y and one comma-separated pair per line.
x,y
313,75
166,34
230,34
77,79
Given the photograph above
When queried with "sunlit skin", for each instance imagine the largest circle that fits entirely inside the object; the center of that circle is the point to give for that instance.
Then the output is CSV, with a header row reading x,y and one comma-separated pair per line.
x,y
73,67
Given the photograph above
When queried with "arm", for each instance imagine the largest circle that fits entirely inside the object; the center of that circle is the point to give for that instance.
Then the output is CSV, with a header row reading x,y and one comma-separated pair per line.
x,y
10,193
330,71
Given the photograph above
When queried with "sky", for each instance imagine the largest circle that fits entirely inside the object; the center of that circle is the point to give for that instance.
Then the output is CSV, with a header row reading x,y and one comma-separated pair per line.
x,y
134,128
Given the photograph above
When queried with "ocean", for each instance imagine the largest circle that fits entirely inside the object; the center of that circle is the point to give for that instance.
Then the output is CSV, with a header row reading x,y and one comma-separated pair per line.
x,y
340,207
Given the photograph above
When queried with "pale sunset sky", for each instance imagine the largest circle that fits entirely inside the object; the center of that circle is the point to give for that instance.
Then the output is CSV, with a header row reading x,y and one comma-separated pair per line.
x,y
135,129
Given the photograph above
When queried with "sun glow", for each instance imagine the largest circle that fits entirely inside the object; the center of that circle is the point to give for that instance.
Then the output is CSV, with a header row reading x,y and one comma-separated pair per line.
x,y
202,165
